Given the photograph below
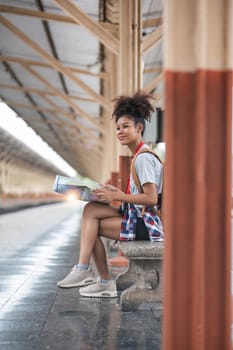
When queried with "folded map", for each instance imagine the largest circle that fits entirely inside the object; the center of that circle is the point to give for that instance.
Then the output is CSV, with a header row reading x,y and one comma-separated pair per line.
x,y
66,185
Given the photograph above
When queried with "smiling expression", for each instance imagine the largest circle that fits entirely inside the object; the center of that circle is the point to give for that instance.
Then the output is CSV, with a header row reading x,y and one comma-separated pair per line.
x,y
127,132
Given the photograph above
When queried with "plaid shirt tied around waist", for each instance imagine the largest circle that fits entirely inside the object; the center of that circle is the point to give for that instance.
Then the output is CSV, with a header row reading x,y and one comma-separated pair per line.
x,y
152,221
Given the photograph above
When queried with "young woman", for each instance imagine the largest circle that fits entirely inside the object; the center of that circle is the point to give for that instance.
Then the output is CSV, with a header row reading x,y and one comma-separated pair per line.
x,y
138,212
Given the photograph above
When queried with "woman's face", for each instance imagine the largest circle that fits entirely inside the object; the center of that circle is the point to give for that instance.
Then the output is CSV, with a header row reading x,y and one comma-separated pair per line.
x,y
126,130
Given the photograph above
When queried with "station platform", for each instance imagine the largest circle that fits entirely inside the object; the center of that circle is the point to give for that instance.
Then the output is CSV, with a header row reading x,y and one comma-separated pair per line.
x,y
38,247
8,205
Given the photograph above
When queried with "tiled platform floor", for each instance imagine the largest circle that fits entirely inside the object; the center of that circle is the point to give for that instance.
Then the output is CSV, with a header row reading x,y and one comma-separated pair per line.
x,y
35,314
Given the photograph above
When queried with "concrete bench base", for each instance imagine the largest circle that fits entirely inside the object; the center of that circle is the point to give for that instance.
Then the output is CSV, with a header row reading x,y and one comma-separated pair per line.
x,y
142,282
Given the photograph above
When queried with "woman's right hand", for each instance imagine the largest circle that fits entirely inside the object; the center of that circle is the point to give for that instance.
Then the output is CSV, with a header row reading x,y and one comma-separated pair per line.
x,y
110,187
106,194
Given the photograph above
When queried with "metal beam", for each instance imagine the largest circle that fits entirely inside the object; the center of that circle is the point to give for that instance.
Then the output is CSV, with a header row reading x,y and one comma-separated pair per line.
x,y
152,22
155,69
53,62
54,112
41,92
78,110
14,76
30,62
48,16
152,39
154,83
106,38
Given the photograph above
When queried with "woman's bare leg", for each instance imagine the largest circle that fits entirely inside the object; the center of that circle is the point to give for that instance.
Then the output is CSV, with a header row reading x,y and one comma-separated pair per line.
x,y
93,214
100,258
110,228
97,219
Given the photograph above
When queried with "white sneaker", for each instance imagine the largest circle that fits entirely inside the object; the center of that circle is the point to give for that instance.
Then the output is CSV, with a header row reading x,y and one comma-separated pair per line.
x,y
100,290
77,278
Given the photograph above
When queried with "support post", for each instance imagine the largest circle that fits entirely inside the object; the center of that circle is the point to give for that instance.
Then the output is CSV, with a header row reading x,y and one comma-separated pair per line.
x,y
130,68
197,205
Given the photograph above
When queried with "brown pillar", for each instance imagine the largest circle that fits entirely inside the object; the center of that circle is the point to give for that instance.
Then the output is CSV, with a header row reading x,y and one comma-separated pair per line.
x,y
125,162
115,179
197,205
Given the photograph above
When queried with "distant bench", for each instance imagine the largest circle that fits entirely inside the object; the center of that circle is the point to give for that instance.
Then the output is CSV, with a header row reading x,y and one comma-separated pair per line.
x,y
142,282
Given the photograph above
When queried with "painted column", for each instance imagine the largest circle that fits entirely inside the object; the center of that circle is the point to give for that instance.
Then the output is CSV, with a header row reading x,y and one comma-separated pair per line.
x,y
130,46
130,73
197,205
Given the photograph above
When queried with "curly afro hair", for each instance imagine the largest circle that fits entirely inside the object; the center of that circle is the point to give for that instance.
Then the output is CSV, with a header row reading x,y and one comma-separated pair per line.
x,y
138,107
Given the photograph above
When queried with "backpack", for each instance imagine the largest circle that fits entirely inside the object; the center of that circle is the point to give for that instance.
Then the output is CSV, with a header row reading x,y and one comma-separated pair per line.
x,y
136,179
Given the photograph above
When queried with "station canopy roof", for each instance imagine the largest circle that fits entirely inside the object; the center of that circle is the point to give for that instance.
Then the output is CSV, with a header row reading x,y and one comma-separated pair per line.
x,y
55,59
14,151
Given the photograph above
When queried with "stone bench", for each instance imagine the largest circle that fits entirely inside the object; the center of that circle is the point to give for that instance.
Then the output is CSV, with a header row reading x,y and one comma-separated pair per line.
x,y
142,282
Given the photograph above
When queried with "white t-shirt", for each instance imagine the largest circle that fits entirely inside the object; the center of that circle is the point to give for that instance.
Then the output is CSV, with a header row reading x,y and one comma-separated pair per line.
x,y
149,170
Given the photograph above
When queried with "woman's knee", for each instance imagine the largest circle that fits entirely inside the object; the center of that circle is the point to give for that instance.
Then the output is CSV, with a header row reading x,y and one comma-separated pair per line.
x,y
89,208
94,209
